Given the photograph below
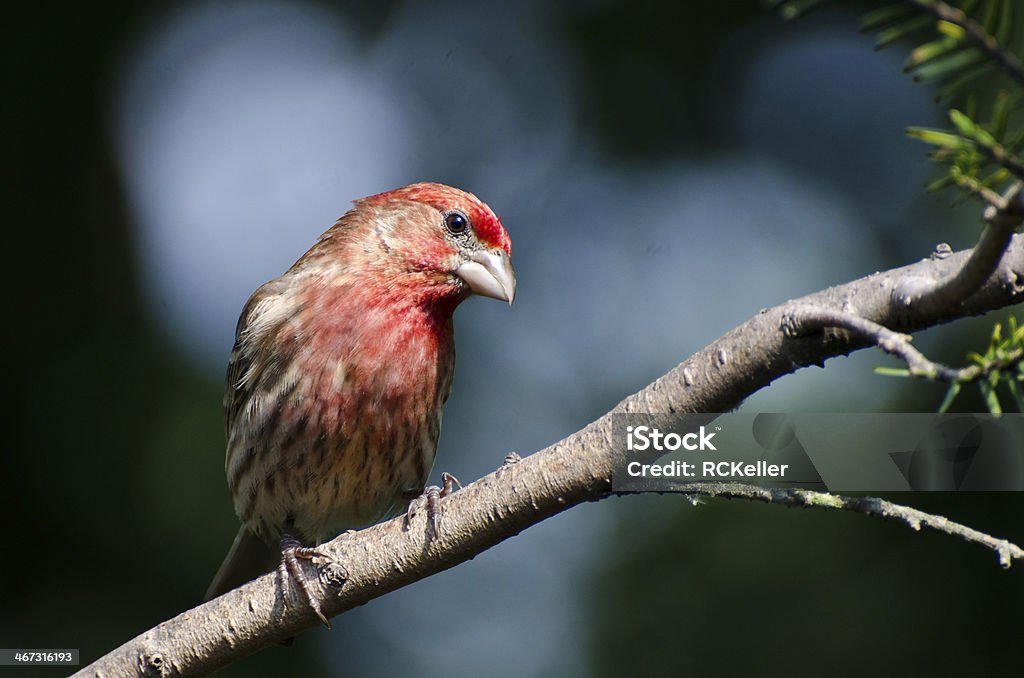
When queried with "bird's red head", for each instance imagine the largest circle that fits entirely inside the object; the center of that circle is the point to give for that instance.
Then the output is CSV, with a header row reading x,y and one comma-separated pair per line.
x,y
446,234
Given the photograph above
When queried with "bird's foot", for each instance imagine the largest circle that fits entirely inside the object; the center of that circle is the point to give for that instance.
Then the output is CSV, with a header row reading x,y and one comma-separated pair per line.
x,y
431,498
292,551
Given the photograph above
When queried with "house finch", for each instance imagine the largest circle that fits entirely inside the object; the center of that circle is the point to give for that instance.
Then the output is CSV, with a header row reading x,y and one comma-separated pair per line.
x,y
340,370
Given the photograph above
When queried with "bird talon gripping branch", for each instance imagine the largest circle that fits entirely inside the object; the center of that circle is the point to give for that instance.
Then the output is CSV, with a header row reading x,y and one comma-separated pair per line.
x,y
292,551
431,497
340,369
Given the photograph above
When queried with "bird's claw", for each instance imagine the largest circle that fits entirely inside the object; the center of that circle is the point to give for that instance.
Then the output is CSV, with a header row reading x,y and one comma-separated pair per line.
x,y
292,551
431,497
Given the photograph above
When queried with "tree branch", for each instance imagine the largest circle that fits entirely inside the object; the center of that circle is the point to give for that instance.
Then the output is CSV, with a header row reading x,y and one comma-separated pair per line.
x,y
1002,216
1002,219
576,469
807,318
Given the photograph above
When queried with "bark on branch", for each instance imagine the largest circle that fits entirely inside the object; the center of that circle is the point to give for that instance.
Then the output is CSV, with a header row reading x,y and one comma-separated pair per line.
x,y
574,470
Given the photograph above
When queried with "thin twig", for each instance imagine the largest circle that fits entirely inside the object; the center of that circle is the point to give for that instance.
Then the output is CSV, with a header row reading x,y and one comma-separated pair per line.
x,y
976,33
966,375
803,319
980,190
1005,550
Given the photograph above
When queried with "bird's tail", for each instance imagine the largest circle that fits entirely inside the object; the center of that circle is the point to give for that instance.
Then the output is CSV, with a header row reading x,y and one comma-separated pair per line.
x,y
247,559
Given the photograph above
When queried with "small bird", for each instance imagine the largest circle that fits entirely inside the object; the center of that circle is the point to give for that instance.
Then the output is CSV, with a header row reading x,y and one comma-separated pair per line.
x,y
340,370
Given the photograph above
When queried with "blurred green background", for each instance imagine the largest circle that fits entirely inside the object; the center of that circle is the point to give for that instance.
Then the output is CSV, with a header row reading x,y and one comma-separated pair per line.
x,y
664,169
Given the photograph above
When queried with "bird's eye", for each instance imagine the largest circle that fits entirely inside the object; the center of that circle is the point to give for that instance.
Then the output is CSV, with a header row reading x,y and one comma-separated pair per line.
x,y
456,223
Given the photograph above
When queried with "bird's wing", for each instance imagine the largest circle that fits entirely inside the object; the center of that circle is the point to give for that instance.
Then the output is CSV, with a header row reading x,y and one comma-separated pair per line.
x,y
256,363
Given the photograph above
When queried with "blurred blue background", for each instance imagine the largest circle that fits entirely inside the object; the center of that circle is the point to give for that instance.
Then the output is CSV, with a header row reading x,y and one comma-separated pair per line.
x,y
664,169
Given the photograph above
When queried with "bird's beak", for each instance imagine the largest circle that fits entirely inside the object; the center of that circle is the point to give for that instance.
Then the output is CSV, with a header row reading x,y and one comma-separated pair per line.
x,y
489,273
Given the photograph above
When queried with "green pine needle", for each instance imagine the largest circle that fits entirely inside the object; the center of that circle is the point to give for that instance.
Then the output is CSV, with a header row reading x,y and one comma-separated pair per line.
x,y
951,394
